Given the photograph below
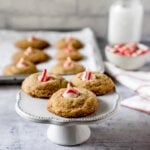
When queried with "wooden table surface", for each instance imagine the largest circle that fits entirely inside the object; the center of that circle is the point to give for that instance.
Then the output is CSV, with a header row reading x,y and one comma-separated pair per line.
x,y
126,130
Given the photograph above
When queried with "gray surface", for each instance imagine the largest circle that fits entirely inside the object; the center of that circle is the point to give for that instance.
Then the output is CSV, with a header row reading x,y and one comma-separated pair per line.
x,y
127,130
46,14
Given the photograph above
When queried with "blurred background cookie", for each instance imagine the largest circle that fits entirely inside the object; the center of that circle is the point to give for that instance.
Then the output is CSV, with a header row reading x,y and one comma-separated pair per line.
x,y
20,68
67,67
69,52
33,42
31,54
69,40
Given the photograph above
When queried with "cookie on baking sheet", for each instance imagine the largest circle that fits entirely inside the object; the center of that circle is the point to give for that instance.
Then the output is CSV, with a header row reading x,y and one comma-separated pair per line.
x,y
72,102
69,52
98,83
43,84
67,67
69,40
20,68
33,42
31,54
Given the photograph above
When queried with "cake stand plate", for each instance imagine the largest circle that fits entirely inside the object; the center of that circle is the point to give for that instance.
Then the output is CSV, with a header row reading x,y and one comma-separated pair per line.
x,y
65,131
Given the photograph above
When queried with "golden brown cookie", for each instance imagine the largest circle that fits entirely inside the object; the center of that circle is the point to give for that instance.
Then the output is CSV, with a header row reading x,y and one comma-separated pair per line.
x,y
69,52
96,82
30,54
33,42
42,84
64,42
72,102
67,67
20,68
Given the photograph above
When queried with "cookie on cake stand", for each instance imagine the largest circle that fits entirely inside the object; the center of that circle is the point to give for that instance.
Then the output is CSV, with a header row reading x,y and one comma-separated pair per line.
x,y
62,130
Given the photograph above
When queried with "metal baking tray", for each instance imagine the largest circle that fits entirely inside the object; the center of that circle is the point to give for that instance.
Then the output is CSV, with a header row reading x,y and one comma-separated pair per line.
x,y
92,53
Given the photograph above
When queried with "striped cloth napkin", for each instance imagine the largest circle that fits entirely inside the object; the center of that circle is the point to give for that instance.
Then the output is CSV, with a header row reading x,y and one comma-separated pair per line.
x,y
139,81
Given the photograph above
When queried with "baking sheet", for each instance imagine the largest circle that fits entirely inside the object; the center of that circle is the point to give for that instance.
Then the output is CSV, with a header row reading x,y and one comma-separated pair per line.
x,y
92,56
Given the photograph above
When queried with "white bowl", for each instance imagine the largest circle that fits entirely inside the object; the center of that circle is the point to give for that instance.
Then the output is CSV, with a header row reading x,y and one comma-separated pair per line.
x,y
127,62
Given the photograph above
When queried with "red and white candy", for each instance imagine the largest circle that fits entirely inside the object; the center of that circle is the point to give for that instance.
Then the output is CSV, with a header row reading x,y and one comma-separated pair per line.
x,y
28,51
69,49
68,62
87,75
71,92
31,38
22,63
44,77
68,38
131,49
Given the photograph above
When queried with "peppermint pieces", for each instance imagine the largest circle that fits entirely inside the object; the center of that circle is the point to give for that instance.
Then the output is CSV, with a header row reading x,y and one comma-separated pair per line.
x,y
69,49
87,75
22,63
131,49
68,38
71,92
31,38
68,62
44,77
28,51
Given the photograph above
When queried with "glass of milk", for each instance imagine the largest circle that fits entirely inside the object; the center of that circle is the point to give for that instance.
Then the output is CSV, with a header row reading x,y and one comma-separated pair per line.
x,y
125,21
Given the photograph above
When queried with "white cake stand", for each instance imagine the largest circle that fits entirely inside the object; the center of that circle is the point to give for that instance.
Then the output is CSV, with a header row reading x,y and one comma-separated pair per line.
x,y
65,131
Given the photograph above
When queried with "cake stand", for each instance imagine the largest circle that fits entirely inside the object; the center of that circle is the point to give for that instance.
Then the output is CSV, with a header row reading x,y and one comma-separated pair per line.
x,y
65,131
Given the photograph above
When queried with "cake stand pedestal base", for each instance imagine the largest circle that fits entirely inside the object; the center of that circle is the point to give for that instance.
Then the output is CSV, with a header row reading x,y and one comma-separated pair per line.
x,y
68,135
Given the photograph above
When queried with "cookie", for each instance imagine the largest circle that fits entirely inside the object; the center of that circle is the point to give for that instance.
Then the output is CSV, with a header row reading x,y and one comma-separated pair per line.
x,y
43,84
97,82
31,54
21,68
33,42
72,102
69,52
64,42
67,67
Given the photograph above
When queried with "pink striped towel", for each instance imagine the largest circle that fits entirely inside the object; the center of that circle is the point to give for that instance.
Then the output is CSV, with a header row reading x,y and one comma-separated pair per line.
x,y
138,81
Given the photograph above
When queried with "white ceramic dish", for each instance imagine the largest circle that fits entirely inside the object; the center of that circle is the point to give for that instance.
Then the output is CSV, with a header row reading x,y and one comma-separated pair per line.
x,y
65,131
125,62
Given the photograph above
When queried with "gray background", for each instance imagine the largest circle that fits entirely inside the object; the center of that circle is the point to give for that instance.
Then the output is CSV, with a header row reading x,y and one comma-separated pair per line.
x,y
47,14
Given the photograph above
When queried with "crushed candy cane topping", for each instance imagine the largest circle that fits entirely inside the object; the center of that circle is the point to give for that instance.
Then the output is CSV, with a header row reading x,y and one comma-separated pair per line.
x,y
22,63
31,38
71,92
43,77
28,51
68,62
88,75
69,49
68,38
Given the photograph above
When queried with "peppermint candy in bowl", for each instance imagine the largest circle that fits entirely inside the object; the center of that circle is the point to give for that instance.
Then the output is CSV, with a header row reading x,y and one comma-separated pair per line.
x,y
130,56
